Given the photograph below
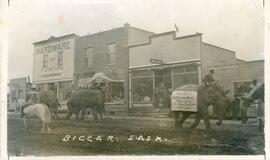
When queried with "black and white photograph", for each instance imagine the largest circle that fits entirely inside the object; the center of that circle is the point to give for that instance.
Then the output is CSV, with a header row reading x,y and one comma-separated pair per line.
x,y
136,78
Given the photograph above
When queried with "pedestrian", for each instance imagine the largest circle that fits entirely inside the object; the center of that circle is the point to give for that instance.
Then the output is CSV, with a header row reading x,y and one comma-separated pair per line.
x,y
165,95
156,99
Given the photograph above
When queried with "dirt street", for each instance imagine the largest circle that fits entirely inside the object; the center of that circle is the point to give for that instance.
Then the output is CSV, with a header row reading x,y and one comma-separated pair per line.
x,y
132,136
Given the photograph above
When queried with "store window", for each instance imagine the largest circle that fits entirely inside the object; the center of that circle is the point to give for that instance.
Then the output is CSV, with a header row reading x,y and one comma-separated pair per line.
x,y
13,96
89,61
42,87
241,87
185,75
115,92
142,86
111,52
65,90
45,61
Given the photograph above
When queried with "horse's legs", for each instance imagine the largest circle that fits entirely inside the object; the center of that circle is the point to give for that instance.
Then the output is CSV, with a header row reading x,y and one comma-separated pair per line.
x,y
43,127
185,115
100,115
57,115
206,119
197,120
94,112
175,117
48,128
83,111
25,123
244,115
221,114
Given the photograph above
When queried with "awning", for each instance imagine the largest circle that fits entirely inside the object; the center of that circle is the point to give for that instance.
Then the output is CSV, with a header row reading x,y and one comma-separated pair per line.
x,y
98,78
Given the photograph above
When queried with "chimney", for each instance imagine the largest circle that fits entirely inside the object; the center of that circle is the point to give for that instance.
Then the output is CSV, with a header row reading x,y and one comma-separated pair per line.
x,y
126,25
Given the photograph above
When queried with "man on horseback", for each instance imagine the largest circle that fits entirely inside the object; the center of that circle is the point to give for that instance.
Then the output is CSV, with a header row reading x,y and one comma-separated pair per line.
x,y
32,97
256,96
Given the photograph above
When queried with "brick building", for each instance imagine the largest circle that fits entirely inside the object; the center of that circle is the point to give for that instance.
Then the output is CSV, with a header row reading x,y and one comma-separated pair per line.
x,y
67,62
107,53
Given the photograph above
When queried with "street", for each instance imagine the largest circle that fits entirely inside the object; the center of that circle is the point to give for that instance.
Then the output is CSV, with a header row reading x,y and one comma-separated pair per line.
x,y
133,136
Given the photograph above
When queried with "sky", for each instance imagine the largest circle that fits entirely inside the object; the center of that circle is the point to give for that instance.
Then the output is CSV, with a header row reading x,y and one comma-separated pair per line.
x,y
236,25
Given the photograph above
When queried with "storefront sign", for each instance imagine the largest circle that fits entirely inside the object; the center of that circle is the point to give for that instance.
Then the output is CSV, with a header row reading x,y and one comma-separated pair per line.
x,y
54,60
184,101
156,61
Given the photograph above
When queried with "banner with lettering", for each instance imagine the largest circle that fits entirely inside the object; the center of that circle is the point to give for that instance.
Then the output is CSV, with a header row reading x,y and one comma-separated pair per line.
x,y
184,101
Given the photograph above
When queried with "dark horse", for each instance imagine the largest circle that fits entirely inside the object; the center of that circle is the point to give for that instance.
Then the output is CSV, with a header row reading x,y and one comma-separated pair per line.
x,y
50,99
206,96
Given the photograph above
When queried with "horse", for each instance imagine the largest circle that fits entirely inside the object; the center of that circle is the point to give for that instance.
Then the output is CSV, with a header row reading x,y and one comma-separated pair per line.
x,y
50,99
40,111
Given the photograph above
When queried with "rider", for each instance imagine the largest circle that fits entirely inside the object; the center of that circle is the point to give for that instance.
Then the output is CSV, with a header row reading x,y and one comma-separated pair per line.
x,y
252,96
32,97
209,78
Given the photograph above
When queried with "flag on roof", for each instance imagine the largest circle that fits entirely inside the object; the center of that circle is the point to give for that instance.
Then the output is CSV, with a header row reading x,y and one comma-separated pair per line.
x,y
176,27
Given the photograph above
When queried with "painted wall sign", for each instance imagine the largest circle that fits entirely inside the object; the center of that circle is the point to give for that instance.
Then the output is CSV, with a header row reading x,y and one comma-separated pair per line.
x,y
54,60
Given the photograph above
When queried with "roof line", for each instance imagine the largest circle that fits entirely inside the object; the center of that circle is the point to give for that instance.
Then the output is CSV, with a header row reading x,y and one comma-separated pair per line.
x,y
218,47
173,33
141,29
54,38
91,34
241,60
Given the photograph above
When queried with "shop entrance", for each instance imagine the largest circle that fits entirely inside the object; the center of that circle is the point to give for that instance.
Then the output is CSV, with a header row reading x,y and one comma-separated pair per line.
x,y
162,88
163,76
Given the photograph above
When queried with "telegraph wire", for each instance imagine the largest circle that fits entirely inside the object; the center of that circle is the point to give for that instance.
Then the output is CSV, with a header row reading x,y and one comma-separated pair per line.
x,y
260,14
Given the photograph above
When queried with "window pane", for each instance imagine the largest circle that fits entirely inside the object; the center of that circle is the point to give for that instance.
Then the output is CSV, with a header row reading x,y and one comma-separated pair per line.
x,y
65,90
115,92
185,75
111,48
60,60
142,89
112,59
45,61
89,57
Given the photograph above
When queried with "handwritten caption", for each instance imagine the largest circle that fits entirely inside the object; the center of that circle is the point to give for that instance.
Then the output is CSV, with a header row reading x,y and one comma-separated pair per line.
x,y
110,138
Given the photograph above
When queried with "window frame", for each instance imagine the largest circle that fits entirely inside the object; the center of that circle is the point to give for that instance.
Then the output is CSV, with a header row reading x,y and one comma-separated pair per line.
x,y
112,55
87,57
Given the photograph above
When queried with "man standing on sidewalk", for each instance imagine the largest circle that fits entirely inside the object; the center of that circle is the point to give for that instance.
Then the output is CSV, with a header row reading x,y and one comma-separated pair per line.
x,y
156,99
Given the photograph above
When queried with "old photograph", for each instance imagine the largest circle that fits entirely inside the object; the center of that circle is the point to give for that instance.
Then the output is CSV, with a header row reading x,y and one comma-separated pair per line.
x,y
134,77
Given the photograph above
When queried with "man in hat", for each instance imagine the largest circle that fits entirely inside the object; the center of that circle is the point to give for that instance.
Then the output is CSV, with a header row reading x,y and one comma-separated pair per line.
x,y
209,78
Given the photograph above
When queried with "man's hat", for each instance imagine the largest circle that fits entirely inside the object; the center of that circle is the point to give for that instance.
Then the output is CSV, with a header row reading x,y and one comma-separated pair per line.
x,y
208,78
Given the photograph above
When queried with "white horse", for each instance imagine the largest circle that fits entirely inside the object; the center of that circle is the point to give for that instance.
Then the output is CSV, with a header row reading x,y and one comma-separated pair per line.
x,y
40,111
